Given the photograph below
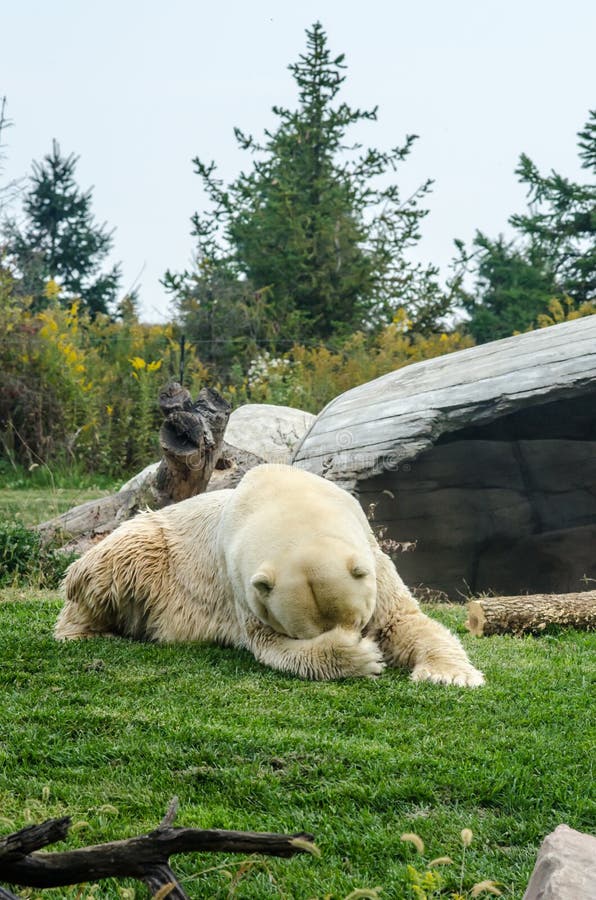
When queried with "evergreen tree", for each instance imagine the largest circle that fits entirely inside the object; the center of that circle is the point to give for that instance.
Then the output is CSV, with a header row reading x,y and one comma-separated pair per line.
x,y
60,239
561,220
512,288
309,225
552,257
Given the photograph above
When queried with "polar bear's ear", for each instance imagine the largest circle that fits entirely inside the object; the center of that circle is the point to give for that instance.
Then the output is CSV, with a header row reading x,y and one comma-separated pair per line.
x,y
358,570
263,581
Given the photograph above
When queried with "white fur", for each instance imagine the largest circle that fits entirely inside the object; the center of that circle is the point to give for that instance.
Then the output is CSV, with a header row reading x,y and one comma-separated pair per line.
x,y
285,566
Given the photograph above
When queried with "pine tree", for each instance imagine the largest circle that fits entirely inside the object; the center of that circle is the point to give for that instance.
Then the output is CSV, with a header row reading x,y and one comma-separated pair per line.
x,y
561,219
513,287
60,239
553,256
309,225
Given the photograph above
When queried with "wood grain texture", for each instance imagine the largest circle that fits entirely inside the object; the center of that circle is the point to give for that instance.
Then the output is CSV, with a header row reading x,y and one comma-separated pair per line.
x,y
145,858
378,425
531,613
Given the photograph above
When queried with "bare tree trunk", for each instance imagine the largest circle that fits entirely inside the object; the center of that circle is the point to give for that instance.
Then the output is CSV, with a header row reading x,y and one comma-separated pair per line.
x,y
532,613
191,441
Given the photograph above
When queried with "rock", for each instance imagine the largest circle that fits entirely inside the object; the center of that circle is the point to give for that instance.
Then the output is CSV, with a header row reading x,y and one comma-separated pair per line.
x,y
270,432
485,458
565,867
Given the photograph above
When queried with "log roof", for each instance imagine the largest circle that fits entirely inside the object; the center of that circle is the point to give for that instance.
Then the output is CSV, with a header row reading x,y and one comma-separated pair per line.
x,y
378,425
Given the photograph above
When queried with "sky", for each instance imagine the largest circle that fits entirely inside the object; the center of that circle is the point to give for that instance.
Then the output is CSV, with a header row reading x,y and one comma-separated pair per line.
x,y
138,89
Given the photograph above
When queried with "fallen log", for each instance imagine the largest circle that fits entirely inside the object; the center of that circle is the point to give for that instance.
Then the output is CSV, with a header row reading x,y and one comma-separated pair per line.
x,y
191,438
532,613
145,858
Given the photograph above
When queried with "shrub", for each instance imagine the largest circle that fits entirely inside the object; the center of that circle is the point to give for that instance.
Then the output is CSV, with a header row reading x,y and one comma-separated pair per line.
x,y
24,560
309,377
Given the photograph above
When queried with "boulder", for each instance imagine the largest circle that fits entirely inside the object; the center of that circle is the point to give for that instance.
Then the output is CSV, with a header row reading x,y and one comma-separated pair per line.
x,y
270,432
485,459
565,867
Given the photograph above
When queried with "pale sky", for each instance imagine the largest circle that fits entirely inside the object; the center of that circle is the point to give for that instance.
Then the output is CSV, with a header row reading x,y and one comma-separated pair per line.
x,y
137,89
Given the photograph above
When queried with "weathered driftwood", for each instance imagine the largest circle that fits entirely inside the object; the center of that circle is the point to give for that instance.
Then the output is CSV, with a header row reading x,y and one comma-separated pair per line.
x,y
145,858
256,433
32,837
392,420
531,613
191,440
485,457
233,463
6,895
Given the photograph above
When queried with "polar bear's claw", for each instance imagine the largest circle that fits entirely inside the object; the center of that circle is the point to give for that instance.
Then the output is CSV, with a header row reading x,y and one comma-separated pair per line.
x,y
461,676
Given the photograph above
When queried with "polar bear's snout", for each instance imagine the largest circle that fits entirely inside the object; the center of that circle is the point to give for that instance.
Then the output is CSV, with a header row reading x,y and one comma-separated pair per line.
x,y
303,602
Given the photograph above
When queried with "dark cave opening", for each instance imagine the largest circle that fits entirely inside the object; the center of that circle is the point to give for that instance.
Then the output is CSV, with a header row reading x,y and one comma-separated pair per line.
x,y
508,506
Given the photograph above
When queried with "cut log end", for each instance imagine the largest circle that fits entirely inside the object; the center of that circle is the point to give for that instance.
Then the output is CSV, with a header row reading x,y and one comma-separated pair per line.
x,y
476,618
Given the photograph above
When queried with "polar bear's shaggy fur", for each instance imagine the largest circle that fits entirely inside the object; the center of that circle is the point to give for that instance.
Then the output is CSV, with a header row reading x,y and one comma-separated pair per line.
x,y
285,566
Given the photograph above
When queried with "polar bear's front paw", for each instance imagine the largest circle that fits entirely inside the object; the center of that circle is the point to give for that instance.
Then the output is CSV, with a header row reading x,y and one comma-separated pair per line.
x,y
461,675
351,655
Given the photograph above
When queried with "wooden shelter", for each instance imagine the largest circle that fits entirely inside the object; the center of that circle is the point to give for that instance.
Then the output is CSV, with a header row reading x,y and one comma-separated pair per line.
x,y
484,458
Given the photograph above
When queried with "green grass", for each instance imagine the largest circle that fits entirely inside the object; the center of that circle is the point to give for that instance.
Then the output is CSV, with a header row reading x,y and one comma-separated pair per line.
x,y
33,497
37,505
108,731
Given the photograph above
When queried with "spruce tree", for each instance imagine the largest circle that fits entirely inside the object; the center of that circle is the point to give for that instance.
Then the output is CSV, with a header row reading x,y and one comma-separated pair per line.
x,y
60,239
553,255
308,226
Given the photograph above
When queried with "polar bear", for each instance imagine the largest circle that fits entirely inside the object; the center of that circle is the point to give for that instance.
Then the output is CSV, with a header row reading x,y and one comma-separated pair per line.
x,y
285,566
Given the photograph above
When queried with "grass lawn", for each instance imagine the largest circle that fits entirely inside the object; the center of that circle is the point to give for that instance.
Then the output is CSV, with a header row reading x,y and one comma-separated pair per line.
x,y
108,731
37,504
39,494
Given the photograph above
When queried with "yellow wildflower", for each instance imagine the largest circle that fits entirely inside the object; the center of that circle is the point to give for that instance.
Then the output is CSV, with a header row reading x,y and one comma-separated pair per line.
x,y
154,366
50,324
137,362
52,289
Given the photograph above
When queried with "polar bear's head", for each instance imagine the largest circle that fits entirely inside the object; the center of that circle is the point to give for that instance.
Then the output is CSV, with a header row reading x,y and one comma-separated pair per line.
x,y
313,588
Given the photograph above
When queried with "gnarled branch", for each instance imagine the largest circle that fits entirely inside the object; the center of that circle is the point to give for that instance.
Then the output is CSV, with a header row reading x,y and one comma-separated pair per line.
x,y
145,858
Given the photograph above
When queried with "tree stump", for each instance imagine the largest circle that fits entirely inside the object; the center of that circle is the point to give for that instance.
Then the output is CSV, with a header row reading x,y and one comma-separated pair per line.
x,y
532,613
191,439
